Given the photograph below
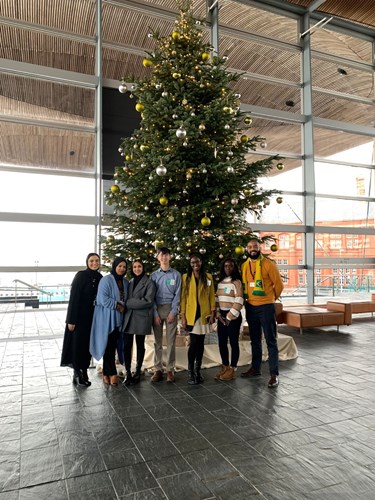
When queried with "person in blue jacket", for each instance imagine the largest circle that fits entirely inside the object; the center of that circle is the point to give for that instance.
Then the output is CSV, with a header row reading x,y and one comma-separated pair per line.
x,y
108,317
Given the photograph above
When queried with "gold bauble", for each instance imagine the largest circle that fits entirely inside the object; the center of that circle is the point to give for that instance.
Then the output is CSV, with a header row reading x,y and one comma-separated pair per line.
x,y
115,188
274,248
139,107
280,166
244,138
205,221
143,148
176,75
176,35
163,200
205,56
158,243
279,200
239,250
147,63
248,120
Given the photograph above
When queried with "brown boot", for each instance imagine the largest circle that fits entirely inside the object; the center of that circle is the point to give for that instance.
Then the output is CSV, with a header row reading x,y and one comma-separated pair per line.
x,y
230,374
113,379
106,380
221,372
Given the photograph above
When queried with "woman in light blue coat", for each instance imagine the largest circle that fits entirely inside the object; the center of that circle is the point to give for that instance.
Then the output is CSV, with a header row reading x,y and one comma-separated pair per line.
x,y
108,316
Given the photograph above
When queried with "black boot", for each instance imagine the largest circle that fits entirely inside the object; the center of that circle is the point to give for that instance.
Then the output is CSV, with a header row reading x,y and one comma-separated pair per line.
x,y
137,375
128,378
198,377
85,377
191,376
79,380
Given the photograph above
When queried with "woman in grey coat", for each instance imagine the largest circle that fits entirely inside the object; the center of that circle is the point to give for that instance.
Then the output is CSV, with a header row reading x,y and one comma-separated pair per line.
x,y
138,319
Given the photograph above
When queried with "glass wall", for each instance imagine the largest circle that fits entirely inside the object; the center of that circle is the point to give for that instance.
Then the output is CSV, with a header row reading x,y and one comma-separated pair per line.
x,y
50,131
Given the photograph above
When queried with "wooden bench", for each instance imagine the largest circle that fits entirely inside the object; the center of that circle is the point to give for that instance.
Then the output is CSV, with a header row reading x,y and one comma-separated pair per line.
x,y
315,316
356,306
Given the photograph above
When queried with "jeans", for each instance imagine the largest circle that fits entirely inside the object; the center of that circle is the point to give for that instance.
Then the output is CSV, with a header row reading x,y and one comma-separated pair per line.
x,y
231,333
258,318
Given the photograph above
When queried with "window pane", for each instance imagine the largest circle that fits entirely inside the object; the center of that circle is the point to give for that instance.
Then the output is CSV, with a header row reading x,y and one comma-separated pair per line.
x,y
344,246
338,145
34,99
286,180
344,213
334,108
42,147
41,193
290,211
251,19
54,283
333,281
77,16
47,244
340,44
354,181
46,50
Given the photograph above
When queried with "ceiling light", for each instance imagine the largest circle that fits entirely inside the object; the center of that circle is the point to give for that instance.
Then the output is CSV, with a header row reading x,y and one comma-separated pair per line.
x,y
290,103
342,71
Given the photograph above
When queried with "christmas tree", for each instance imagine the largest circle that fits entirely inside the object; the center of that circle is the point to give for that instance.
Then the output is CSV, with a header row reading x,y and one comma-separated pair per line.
x,y
185,182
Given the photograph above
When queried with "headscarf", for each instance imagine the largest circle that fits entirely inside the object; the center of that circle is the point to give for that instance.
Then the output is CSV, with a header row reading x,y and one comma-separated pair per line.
x,y
115,263
137,279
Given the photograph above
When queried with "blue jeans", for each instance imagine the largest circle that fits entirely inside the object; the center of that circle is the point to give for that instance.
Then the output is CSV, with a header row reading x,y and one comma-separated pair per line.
x,y
258,318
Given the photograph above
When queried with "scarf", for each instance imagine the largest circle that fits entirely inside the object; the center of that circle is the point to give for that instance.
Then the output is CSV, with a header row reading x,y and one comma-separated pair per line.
x,y
247,278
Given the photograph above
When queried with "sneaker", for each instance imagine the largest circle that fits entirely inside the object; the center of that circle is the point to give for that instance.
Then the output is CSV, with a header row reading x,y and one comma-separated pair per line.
x,y
230,374
170,376
251,372
221,372
273,381
157,376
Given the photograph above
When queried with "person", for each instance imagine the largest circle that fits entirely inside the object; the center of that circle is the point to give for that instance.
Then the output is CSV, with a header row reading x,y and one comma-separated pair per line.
x,y
138,319
262,287
167,301
229,299
108,315
75,351
198,310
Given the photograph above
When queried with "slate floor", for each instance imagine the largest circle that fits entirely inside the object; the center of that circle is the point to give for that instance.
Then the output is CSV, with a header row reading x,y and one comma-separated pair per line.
x,y
311,438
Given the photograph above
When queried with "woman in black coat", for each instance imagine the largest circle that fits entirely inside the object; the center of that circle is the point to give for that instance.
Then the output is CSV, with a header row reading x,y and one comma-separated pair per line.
x,y
75,352
138,319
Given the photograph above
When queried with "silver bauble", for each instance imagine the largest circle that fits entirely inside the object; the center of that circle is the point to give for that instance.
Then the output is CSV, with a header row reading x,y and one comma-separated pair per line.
x,y
161,170
181,132
122,88
230,170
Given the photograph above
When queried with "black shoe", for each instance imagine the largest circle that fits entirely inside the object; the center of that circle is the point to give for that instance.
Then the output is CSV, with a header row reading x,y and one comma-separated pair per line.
x,y
191,378
251,372
128,378
136,378
198,377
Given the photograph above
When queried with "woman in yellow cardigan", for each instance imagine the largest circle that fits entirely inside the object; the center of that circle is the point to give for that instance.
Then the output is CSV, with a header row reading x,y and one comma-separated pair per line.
x,y
197,313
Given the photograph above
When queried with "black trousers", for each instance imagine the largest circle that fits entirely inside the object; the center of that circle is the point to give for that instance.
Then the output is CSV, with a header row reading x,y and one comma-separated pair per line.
x,y
128,347
196,350
229,332
109,362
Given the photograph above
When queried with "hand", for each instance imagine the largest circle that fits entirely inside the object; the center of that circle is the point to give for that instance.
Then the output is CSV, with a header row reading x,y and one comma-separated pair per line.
x,y
222,320
71,327
157,321
170,318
